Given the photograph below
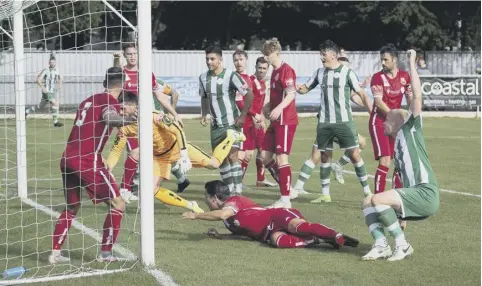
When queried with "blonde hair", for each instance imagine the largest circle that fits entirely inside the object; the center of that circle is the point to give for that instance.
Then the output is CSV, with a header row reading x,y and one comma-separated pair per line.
x,y
270,46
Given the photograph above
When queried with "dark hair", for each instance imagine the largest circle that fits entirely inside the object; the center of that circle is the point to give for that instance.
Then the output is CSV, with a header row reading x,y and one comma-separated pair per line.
x,y
128,97
114,77
329,45
343,59
130,45
389,49
214,49
261,60
219,189
240,52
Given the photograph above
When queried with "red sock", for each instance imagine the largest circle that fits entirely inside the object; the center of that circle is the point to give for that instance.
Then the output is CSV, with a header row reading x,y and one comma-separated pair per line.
x,y
315,229
285,179
396,180
244,166
273,169
380,179
62,229
111,228
130,168
259,170
293,241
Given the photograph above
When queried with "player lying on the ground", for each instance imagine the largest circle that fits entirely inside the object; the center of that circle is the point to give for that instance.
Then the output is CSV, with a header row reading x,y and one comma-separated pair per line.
x,y
48,80
419,197
337,167
281,227
170,145
82,166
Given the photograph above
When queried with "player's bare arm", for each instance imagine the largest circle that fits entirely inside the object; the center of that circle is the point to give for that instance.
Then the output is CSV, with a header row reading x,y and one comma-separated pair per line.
x,y
211,215
416,103
363,99
174,98
212,232
162,98
248,101
60,82
276,113
117,59
302,89
114,119
40,82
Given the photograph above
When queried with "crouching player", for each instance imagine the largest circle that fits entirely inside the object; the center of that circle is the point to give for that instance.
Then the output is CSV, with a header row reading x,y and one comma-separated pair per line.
x,y
281,227
170,145
419,197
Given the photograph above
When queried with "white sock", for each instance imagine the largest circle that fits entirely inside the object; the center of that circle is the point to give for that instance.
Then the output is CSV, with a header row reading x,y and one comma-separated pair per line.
x,y
299,184
325,191
285,199
400,240
382,241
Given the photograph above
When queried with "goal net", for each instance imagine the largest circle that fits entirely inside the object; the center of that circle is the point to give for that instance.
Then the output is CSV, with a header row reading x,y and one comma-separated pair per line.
x,y
81,36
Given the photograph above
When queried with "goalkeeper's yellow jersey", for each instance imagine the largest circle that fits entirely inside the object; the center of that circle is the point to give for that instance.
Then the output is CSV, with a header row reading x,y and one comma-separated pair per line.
x,y
166,134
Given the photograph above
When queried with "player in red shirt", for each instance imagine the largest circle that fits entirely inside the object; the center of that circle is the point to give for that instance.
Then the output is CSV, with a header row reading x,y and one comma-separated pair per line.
x,y
283,228
131,84
82,165
281,110
388,87
253,127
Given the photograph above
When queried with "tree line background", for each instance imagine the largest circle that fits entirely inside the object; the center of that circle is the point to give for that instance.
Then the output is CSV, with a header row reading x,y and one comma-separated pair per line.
x,y
186,25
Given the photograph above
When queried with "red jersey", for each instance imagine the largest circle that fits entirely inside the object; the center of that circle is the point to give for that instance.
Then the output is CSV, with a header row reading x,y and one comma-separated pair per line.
x,y
249,219
259,91
390,90
90,133
283,80
132,80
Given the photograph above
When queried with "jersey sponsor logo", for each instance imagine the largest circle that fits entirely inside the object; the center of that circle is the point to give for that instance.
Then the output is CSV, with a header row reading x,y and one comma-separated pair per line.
x,y
220,81
403,81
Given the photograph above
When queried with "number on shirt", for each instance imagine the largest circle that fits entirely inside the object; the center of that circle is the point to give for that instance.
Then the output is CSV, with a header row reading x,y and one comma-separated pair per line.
x,y
81,119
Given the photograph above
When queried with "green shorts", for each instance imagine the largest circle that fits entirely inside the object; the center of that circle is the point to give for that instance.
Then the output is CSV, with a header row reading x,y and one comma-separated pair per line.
x,y
419,202
218,134
344,134
49,96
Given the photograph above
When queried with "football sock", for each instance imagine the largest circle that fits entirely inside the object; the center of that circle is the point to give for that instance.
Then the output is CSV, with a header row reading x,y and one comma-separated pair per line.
x,y
55,114
176,172
273,169
237,175
62,229
244,166
305,174
386,215
259,168
344,159
130,169
361,173
374,226
396,180
285,179
292,241
325,172
112,225
315,229
380,179
225,172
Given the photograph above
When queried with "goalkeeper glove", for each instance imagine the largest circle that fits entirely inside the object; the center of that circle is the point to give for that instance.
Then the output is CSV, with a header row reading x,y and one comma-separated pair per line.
x,y
184,162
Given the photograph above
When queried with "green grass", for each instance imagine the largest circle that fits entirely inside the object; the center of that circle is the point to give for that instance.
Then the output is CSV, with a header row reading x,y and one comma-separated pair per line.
x,y
447,246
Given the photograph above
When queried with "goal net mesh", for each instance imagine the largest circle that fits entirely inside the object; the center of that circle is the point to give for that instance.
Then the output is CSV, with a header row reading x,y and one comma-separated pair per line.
x,y
82,36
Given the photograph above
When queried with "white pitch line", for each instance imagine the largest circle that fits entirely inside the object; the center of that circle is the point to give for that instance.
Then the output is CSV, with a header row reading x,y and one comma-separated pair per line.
x,y
161,277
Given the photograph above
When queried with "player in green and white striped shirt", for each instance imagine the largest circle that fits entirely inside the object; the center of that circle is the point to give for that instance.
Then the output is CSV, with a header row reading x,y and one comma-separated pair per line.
x,y
217,88
419,197
49,81
335,121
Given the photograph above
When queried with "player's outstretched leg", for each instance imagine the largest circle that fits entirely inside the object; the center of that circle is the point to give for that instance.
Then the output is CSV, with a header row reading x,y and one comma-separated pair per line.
x,y
170,198
380,248
61,231
286,240
360,170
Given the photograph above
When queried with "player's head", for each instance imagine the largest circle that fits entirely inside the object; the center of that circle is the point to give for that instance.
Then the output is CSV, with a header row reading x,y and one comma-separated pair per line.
x,y
261,68
389,57
214,57
52,62
240,59
394,121
217,192
344,61
128,103
329,52
271,50
114,78
130,53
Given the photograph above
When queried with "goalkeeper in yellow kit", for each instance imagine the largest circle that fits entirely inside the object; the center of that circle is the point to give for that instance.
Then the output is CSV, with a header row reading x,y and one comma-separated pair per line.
x,y
170,146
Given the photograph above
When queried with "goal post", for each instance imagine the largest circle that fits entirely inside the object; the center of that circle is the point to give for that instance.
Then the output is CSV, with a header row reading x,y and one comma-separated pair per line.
x,y
31,187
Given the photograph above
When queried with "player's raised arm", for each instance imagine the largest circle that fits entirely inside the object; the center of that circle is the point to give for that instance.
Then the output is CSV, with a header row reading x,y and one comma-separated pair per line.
x,y
117,59
309,85
416,104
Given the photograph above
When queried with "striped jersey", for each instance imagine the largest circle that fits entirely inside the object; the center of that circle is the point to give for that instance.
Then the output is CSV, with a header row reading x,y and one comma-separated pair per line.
x,y
336,86
50,78
411,157
221,92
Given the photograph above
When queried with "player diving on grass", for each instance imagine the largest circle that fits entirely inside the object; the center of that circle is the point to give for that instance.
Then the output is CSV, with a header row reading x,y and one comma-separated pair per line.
x,y
170,145
253,128
337,167
335,121
280,227
218,88
131,84
419,197
82,166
